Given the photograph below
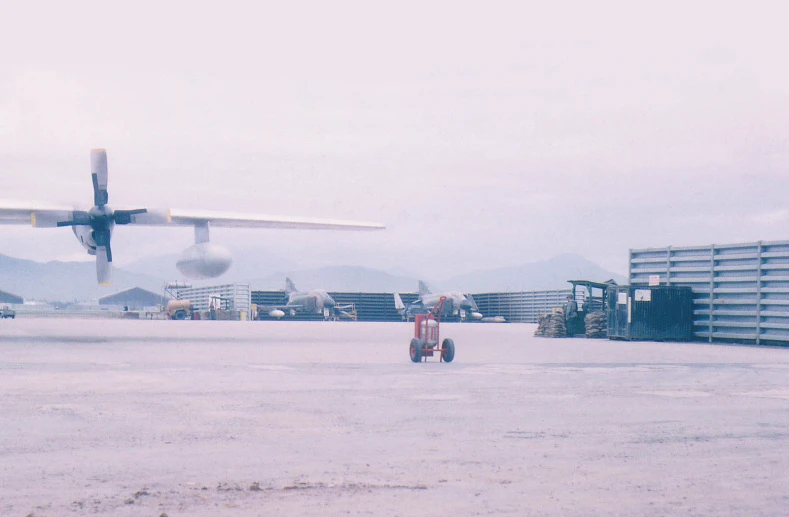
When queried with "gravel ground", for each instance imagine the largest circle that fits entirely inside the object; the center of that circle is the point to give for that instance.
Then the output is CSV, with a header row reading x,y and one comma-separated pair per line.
x,y
148,418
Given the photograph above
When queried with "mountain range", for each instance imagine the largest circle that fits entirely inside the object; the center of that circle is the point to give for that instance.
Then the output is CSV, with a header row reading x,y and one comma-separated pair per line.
x,y
545,274
76,281
65,281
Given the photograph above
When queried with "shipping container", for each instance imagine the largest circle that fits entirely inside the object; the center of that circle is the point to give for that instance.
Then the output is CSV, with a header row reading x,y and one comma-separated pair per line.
x,y
654,313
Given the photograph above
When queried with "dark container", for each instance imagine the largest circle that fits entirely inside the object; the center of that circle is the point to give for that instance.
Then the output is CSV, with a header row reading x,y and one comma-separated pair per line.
x,y
657,313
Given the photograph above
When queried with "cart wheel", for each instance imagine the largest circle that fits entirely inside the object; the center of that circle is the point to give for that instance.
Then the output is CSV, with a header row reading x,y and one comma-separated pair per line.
x,y
416,350
447,350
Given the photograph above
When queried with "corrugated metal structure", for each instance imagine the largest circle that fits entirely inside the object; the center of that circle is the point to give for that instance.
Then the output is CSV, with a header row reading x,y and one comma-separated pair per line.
x,y
368,306
520,307
278,298
372,306
236,296
269,298
740,291
662,313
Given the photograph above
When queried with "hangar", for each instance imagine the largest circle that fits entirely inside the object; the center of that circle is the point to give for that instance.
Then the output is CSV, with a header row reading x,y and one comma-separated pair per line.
x,y
135,298
8,298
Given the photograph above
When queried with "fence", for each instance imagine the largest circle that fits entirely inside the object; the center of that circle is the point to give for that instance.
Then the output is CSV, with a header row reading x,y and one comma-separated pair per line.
x,y
740,291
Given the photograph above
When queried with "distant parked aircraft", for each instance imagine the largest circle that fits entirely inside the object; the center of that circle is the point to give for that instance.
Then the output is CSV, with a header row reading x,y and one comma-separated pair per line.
x,y
457,305
93,228
316,301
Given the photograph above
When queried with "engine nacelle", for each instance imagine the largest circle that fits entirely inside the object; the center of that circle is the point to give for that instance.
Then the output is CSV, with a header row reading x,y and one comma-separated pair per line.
x,y
204,260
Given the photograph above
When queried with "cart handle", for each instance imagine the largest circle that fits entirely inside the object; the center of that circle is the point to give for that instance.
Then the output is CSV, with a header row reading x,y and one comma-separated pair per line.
x,y
437,309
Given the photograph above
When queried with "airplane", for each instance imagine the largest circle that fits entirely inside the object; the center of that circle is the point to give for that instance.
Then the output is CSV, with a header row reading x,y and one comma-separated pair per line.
x,y
93,227
316,301
457,305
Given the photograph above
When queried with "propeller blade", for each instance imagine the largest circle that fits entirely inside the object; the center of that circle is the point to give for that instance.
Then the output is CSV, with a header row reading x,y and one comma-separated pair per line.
x,y
102,238
98,171
103,265
78,218
124,216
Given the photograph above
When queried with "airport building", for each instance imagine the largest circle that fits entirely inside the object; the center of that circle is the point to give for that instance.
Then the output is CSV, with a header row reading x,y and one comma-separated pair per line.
x,y
134,299
231,297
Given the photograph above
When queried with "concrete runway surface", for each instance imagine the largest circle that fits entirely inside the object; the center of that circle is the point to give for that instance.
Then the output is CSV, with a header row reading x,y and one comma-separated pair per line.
x,y
148,418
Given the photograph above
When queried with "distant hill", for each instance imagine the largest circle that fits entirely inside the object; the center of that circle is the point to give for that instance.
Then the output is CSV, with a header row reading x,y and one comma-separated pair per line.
x,y
64,281
247,264
76,281
338,278
159,266
546,274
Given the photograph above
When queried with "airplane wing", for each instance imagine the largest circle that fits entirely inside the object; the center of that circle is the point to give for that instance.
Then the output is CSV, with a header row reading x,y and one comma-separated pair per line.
x,y
42,215
174,216
39,215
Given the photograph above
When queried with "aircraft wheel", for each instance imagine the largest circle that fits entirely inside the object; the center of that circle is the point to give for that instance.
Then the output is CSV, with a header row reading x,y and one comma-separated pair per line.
x,y
415,350
447,350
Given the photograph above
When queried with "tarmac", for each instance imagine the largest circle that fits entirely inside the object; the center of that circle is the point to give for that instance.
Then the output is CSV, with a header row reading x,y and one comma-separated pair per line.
x,y
151,418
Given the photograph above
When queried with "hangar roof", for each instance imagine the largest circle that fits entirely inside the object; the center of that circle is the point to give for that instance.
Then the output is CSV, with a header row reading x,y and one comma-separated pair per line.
x,y
10,298
136,296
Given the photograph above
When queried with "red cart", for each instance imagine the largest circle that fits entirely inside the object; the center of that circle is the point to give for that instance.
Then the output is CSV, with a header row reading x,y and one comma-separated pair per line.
x,y
426,336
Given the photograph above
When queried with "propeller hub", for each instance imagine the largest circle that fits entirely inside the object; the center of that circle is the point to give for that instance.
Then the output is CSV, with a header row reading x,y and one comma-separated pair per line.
x,y
101,218
101,210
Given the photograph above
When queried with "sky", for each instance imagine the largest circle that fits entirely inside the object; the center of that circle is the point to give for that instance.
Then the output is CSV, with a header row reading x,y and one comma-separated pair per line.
x,y
483,134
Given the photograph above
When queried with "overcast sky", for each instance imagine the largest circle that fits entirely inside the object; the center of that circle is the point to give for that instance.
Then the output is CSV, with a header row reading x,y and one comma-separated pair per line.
x,y
482,134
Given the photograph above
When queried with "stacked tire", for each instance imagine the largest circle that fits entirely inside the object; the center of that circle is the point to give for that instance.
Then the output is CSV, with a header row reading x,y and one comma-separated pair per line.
x,y
596,325
541,324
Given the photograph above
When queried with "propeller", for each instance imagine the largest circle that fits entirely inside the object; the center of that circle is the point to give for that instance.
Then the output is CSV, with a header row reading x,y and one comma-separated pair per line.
x,y
101,218
98,171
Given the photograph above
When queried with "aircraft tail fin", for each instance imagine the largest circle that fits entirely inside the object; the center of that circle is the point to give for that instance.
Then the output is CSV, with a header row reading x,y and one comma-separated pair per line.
x,y
423,289
399,305
473,302
290,287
